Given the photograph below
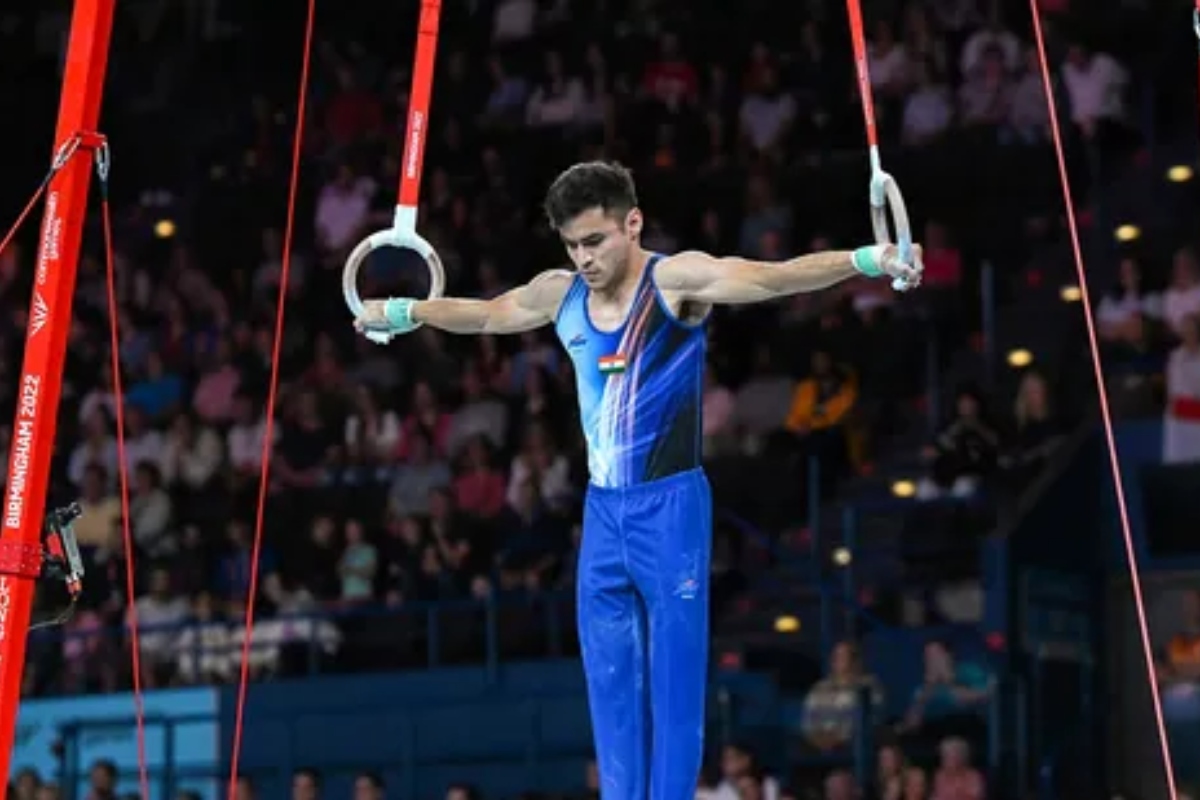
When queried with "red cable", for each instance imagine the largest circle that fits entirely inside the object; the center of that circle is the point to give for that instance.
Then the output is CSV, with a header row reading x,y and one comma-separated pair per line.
x,y
268,434
123,472
1105,414
33,201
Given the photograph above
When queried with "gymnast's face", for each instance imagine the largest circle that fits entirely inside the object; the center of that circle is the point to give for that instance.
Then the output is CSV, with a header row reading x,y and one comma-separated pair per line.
x,y
601,245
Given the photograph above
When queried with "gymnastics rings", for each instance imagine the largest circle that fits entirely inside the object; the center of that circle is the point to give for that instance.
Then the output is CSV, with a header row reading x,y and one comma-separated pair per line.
x,y
884,192
886,197
403,233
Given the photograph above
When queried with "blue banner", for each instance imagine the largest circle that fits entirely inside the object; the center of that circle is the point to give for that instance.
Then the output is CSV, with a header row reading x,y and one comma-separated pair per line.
x,y
63,738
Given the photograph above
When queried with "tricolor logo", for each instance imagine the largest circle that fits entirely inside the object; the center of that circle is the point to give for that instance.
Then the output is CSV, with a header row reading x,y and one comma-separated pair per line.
x,y
613,365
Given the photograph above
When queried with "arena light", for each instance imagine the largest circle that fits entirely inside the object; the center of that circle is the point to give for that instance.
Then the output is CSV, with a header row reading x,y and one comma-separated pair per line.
x,y
787,624
842,557
164,229
1127,233
904,488
1070,294
1180,173
1019,358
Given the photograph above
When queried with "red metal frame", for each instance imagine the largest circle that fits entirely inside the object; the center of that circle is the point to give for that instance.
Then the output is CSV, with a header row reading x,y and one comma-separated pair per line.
x,y
45,347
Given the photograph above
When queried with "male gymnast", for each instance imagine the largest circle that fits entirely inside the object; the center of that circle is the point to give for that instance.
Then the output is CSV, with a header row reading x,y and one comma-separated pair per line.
x,y
633,323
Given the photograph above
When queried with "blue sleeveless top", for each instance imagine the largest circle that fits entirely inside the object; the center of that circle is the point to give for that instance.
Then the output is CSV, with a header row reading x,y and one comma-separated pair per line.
x,y
640,386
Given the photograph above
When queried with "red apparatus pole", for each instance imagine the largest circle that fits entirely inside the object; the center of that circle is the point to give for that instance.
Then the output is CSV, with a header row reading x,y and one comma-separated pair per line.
x,y
45,347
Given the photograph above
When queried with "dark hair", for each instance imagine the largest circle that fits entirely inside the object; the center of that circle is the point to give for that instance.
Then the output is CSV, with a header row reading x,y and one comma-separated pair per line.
x,y
374,778
592,184
311,773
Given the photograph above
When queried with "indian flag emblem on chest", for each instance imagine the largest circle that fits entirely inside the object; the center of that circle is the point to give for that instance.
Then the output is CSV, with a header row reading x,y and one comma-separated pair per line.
x,y
613,365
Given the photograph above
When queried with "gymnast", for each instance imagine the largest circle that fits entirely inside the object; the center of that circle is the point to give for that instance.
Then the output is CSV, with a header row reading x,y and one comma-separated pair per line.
x,y
633,323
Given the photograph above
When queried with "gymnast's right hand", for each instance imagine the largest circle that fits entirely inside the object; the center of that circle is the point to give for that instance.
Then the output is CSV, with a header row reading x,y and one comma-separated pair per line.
x,y
381,320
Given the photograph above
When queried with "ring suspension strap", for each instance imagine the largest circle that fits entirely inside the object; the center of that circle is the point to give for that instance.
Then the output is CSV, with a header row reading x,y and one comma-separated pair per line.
x,y
884,192
403,233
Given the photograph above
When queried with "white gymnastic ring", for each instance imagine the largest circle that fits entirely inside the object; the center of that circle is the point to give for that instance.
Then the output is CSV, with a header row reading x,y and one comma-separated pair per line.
x,y
886,200
400,239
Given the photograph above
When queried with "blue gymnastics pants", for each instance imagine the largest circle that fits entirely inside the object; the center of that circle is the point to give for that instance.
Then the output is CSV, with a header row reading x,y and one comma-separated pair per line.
x,y
643,629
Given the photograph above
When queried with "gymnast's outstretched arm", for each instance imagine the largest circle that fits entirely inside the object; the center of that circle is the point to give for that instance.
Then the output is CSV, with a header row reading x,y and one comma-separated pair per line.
x,y
702,278
524,308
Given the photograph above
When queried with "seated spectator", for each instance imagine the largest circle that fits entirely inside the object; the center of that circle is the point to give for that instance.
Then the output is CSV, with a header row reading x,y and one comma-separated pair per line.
x,y
951,697
985,98
718,414
217,388
943,266
233,570
739,766
1096,85
421,473
916,784
99,398
204,645
342,209
506,98
479,488
158,613
244,440
1181,429
465,554
1181,661
928,111
821,408
1028,117
841,785
888,62
1135,366
142,442
964,453
481,414
150,512
89,656
372,433
427,420
535,354
159,392
306,444
992,38
890,766
532,540
537,403
956,779
1182,298
761,404
1037,429
923,42
766,117
540,462
101,509
832,707
357,565
99,448
1123,309
558,100
191,455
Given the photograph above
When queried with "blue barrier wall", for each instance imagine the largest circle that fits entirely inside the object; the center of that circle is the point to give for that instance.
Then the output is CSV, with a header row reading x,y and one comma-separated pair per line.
x,y
508,729
62,738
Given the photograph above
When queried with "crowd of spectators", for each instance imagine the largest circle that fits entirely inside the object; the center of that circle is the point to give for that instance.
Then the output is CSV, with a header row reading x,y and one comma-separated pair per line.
x,y
444,468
